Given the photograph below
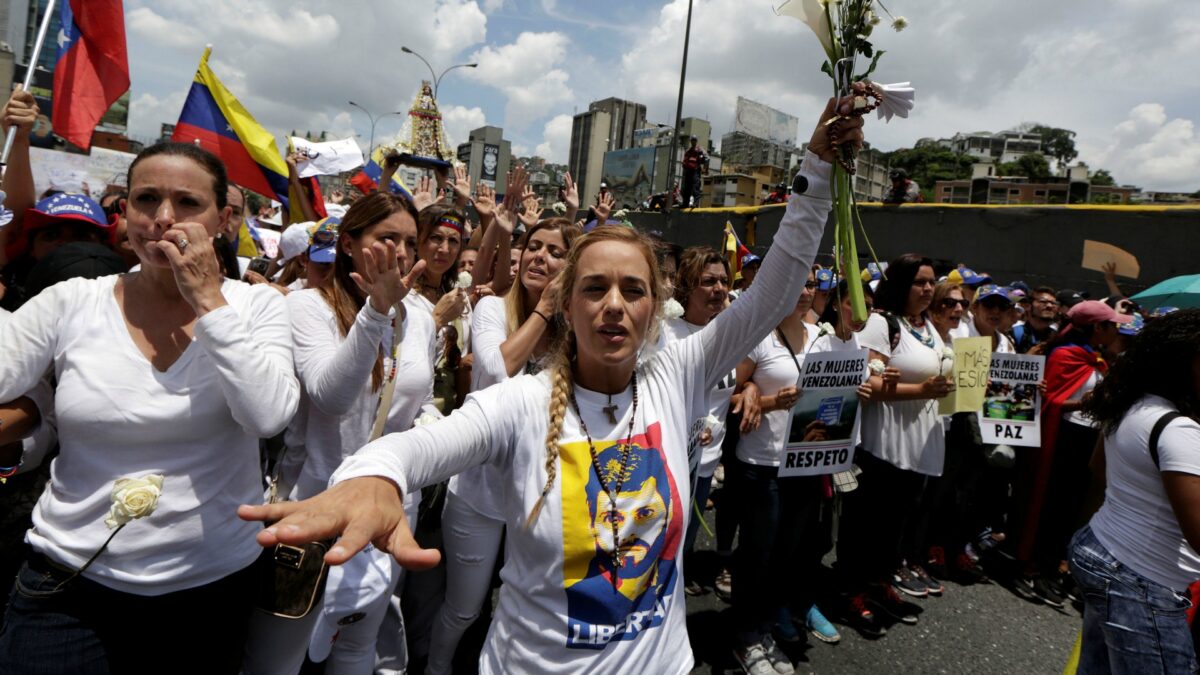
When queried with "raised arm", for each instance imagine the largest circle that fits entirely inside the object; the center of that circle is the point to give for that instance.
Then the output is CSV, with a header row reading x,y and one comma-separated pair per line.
x,y
22,112
364,505
730,336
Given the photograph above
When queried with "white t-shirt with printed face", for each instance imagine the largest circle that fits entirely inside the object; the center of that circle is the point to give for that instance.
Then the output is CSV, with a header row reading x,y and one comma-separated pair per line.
x,y
775,367
559,611
906,434
1136,522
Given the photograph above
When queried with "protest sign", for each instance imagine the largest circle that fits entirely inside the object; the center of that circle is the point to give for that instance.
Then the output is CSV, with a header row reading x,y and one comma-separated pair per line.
x,y
1097,254
327,159
823,428
972,360
1011,411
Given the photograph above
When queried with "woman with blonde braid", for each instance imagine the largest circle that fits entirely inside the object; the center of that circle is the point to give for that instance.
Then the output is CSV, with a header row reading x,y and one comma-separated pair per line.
x,y
510,335
596,498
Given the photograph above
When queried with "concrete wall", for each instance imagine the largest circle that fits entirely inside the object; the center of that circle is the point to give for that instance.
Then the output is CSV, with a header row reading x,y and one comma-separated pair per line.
x,y
1039,245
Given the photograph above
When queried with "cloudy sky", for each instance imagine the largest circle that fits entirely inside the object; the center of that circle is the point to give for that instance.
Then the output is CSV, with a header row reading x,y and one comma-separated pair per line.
x,y
1115,71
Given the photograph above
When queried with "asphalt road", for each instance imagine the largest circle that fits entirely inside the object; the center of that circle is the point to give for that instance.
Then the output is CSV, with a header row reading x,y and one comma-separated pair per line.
x,y
983,628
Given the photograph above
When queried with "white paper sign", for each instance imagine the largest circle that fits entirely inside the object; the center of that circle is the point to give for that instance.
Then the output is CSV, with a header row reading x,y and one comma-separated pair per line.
x,y
1012,407
327,159
823,428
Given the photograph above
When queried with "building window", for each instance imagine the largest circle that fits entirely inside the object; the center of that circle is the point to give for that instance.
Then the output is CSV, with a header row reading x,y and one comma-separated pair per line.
x,y
947,189
1039,193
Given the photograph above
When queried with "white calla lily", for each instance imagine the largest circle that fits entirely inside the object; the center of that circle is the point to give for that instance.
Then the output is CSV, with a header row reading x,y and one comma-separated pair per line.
x,y
812,13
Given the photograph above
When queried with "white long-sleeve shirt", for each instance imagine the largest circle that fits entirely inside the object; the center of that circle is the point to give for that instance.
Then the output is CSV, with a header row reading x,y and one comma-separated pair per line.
x,y
338,405
197,424
718,403
558,611
40,441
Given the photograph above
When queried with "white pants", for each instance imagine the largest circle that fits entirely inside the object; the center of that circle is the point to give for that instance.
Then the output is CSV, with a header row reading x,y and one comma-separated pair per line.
x,y
354,646
472,543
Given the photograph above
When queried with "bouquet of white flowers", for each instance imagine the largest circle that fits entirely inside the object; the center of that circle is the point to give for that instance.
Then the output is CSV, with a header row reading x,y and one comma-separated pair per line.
x,y
844,28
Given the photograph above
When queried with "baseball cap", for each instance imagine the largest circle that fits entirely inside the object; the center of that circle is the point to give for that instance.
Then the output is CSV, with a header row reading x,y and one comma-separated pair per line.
x,y
1021,286
323,247
294,240
992,291
1091,312
826,280
80,259
965,276
874,271
353,591
1068,297
1133,327
751,259
65,206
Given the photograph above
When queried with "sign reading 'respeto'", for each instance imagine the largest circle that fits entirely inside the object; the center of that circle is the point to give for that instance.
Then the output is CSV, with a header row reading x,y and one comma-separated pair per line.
x,y
1011,413
823,428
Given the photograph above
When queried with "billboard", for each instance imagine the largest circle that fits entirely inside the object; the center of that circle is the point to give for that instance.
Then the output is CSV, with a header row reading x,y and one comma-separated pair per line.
x,y
630,175
491,164
763,121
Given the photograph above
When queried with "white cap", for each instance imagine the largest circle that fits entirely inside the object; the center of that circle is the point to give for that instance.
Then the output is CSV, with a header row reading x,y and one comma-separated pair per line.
x,y
294,241
354,593
335,210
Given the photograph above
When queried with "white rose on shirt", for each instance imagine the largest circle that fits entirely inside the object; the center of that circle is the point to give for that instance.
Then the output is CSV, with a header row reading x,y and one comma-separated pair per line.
x,y
133,498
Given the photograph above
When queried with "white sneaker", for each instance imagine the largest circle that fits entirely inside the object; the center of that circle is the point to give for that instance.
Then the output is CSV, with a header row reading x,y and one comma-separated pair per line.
x,y
780,663
753,660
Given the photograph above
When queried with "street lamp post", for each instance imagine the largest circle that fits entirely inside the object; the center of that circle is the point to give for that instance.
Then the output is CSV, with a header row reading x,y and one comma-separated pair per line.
x,y
374,120
437,79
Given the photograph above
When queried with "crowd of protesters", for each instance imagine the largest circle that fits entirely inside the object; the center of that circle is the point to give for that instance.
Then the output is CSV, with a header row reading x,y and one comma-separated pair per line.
x,y
470,395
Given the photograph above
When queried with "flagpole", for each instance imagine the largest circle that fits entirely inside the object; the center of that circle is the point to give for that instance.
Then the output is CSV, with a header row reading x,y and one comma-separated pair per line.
x,y
37,51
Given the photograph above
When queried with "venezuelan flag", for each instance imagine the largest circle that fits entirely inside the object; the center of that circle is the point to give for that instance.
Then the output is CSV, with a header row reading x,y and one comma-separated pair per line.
x,y
734,250
217,121
368,179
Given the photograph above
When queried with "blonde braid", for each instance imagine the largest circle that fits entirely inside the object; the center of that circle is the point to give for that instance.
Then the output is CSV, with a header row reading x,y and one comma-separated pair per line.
x,y
560,390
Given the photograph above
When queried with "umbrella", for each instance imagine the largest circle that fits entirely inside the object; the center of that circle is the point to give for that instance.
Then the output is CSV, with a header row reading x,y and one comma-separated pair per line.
x,y
1182,292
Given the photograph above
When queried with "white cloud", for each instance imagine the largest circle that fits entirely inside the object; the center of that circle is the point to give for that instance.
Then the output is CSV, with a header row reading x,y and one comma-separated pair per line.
x,y
527,72
557,140
1152,151
145,23
459,121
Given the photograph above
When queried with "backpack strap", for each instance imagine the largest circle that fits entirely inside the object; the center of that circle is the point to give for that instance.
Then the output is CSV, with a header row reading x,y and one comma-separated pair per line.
x,y
1161,424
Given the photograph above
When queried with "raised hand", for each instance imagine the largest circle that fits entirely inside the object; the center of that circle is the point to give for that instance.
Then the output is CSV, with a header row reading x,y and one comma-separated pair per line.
x,y
570,195
532,213
188,247
21,111
361,510
822,144
485,203
382,279
462,186
604,206
423,194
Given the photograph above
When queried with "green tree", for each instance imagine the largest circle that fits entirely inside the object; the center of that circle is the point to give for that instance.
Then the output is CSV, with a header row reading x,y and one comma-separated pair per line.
x,y
1057,143
1033,166
1102,177
928,163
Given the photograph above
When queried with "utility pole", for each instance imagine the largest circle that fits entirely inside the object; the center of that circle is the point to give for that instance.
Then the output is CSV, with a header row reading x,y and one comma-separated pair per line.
x,y
687,34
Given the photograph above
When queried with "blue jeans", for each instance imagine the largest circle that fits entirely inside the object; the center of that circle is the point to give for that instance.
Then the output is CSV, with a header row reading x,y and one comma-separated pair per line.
x,y
1130,624
83,628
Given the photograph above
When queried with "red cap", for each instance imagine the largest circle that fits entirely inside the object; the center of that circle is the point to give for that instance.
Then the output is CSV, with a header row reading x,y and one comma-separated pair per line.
x,y
1091,312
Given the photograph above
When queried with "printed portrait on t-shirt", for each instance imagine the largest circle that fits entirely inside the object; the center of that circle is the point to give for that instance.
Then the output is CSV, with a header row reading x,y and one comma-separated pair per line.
x,y
649,524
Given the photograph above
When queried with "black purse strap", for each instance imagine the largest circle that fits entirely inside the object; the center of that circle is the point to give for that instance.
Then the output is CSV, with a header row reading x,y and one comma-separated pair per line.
x,y
792,352
1161,424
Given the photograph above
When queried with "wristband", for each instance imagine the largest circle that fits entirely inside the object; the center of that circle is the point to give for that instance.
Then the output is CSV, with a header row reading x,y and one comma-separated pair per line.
x,y
544,317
